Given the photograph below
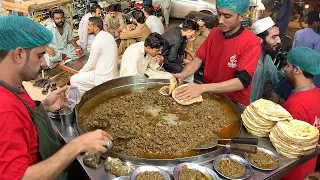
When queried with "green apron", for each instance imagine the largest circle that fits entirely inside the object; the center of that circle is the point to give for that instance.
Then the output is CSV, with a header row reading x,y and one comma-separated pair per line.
x,y
49,142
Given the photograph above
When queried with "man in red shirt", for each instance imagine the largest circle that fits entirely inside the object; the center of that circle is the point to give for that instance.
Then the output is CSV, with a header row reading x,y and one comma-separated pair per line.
x,y
230,54
304,102
29,147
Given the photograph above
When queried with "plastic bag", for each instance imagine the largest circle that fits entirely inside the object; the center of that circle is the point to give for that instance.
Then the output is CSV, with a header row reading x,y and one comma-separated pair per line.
x,y
72,97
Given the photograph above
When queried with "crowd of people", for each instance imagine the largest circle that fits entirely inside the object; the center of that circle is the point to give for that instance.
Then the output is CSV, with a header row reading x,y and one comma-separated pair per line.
x,y
237,63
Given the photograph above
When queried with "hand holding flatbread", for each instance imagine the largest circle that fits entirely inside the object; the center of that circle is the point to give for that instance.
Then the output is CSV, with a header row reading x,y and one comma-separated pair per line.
x,y
167,90
187,93
192,98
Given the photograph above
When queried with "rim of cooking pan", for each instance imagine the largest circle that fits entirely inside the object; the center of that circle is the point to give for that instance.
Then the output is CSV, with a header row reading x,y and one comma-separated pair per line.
x,y
140,80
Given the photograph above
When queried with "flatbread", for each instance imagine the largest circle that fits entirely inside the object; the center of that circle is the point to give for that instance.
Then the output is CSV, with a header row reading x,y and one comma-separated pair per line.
x,y
184,102
297,129
294,138
167,90
173,84
267,108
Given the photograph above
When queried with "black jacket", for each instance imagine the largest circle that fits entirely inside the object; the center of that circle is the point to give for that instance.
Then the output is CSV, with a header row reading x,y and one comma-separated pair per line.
x,y
173,50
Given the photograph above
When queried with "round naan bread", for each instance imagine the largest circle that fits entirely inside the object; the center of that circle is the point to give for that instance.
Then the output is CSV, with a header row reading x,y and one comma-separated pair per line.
x,y
270,110
184,102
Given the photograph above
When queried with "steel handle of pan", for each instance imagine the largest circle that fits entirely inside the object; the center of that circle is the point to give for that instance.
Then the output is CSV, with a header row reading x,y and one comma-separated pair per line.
x,y
239,140
242,147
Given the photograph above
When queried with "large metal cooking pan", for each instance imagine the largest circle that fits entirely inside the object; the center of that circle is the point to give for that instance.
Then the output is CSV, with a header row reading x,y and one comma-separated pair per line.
x,y
133,84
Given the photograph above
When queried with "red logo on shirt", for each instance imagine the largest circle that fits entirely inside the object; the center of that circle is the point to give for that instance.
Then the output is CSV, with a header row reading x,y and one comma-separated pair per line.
x,y
233,62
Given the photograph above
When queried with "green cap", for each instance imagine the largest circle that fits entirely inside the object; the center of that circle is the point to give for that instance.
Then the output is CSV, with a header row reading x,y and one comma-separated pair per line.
x,y
22,32
306,59
238,6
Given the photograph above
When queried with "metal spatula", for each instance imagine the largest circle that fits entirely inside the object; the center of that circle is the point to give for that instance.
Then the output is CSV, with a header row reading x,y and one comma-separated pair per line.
x,y
213,142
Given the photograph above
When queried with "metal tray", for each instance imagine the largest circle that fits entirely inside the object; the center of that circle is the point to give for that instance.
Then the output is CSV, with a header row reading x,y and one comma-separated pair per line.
x,y
178,168
239,159
122,178
268,152
134,84
142,169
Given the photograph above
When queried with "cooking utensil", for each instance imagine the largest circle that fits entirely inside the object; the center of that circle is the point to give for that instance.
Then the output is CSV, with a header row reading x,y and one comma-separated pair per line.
x,y
239,159
240,147
213,142
132,84
268,152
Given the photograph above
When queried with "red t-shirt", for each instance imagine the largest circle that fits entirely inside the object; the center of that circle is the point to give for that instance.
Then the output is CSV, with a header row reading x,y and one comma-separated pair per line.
x,y
18,136
224,56
305,106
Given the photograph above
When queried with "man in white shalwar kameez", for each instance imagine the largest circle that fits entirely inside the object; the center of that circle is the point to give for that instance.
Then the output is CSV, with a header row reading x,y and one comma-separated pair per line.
x,y
86,39
102,63
143,58
63,45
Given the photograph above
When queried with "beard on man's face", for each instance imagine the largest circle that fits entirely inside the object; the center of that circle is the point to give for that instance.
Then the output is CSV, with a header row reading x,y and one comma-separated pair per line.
x,y
270,49
59,24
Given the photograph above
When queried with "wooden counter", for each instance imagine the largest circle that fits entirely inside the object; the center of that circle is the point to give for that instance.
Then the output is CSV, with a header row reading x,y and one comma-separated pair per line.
x,y
35,5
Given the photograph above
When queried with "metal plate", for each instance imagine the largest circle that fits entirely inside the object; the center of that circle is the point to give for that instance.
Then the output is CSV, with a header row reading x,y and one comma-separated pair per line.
x,y
134,84
268,152
212,173
122,178
178,168
142,169
239,159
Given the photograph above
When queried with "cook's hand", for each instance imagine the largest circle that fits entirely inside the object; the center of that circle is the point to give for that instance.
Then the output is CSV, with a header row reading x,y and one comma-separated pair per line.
x,y
179,76
95,141
55,100
50,51
191,91
313,176
159,59
186,61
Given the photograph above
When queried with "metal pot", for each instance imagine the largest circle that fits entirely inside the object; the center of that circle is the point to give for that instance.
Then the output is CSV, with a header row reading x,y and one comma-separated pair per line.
x,y
133,84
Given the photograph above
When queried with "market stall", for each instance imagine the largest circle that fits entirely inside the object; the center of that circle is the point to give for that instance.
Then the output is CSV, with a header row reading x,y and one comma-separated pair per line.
x,y
30,6
124,87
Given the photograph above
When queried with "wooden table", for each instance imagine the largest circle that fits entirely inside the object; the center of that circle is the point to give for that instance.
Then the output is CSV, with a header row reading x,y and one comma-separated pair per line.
x,y
35,5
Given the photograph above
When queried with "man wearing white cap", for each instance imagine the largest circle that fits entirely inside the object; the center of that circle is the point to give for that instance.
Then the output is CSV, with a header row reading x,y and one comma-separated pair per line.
x,y
266,71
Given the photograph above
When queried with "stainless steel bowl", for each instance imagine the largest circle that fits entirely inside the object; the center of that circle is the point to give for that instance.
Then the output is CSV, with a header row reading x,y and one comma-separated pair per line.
x,y
178,168
143,169
212,173
122,178
268,152
239,159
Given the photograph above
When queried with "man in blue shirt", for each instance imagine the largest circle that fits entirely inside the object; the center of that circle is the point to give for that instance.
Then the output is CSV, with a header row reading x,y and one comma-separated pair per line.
x,y
307,37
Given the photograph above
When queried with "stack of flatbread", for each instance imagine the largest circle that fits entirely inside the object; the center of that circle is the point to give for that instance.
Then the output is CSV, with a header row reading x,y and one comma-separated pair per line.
x,y
260,116
294,138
